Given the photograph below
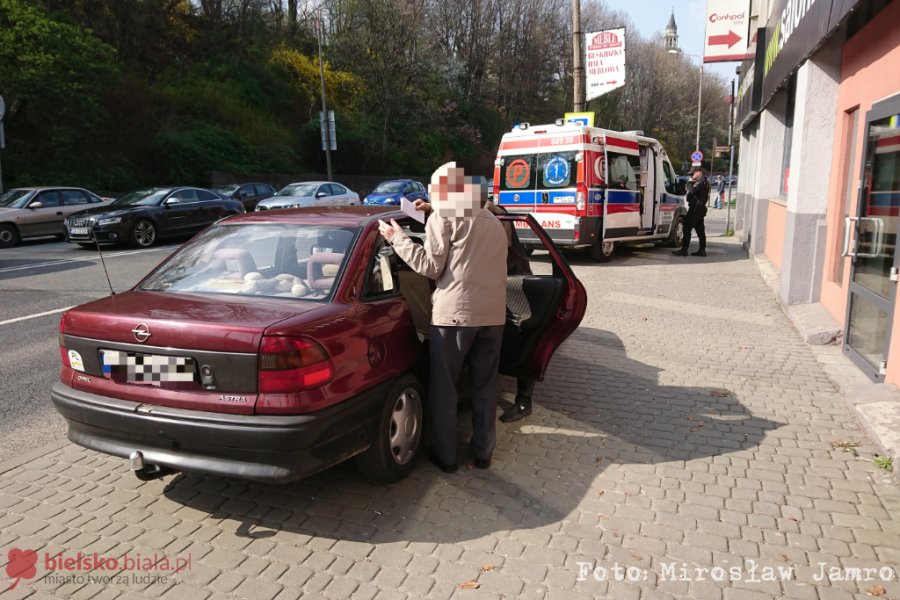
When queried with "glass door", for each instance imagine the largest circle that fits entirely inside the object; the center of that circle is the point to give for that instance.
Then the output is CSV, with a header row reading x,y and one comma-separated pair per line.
x,y
874,273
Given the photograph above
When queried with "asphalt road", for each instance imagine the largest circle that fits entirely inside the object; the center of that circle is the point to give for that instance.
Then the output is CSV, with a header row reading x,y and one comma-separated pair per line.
x,y
38,280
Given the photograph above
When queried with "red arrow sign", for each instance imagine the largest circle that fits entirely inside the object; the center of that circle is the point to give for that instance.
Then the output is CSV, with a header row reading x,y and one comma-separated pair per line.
x,y
720,40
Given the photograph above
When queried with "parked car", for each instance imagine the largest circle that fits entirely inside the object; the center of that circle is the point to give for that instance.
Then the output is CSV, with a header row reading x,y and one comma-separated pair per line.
x,y
276,344
310,194
249,194
390,192
142,217
40,211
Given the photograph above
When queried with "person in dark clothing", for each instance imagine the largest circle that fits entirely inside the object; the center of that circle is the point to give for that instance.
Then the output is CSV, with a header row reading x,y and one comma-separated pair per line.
x,y
697,198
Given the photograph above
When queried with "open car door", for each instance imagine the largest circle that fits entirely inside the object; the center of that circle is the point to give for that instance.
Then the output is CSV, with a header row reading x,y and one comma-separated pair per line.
x,y
545,301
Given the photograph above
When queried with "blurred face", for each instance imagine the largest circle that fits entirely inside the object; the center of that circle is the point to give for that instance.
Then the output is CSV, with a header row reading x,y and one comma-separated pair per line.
x,y
696,175
453,194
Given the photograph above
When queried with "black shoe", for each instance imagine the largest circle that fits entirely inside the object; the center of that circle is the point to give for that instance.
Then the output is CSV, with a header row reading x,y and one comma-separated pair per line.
x,y
433,457
698,253
679,252
516,412
482,463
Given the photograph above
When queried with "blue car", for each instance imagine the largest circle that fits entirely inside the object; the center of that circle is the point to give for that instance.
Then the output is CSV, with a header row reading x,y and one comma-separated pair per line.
x,y
389,192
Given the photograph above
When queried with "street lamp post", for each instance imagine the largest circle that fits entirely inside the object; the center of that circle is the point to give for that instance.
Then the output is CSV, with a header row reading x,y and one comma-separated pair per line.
x,y
699,95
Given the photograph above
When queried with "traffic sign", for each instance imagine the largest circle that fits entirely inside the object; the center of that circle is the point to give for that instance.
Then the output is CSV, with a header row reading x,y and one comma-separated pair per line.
x,y
697,156
727,31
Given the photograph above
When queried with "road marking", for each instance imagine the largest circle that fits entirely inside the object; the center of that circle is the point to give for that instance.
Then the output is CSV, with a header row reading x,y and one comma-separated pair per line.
x,y
36,315
63,261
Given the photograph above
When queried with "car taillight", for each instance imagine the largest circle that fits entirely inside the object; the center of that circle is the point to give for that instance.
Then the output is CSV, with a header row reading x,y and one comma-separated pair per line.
x,y
288,364
63,354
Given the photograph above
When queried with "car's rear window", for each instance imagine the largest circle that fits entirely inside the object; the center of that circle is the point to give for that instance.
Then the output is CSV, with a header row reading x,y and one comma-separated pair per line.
x,y
271,260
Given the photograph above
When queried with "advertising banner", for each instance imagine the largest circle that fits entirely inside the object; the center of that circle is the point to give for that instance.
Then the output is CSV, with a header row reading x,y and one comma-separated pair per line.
x,y
604,62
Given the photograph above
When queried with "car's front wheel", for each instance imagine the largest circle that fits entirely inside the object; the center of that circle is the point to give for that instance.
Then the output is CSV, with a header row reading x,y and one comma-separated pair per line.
x,y
9,236
143,234
398,436
676,236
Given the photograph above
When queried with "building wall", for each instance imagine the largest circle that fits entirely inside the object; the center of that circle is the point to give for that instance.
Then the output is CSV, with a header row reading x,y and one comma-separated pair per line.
x,y
870,72
776,218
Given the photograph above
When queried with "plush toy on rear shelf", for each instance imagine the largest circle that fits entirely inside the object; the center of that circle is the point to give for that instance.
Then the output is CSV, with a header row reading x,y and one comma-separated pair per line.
x,y
282,284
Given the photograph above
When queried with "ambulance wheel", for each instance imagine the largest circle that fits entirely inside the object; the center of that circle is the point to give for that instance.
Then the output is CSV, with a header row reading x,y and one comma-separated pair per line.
x,y
602,250
677,234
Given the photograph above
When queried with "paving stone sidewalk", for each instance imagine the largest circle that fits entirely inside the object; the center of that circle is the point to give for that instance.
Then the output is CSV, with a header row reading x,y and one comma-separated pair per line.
x,y
686,444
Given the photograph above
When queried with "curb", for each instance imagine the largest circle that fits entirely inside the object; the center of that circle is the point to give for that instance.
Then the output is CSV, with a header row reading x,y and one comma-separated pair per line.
x,y
17,461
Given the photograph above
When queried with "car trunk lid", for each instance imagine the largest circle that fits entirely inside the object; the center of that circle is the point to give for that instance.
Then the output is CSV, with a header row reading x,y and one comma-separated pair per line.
x,y
177,350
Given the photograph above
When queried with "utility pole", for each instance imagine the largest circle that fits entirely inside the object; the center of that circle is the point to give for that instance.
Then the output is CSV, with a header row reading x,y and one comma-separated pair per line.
x,y
730,159
578,70
325,120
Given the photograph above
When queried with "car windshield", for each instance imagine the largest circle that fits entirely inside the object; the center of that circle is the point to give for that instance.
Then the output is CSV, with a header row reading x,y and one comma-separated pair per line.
x,y
269,260
226,189
298,189
15,198
141,198
389,187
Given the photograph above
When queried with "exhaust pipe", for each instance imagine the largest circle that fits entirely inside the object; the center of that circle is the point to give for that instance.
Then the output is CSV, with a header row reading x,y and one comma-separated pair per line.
x,y
144,471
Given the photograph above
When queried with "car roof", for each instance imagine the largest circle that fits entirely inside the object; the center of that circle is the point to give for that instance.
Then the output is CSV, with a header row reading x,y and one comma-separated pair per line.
x,y
48,187
343,216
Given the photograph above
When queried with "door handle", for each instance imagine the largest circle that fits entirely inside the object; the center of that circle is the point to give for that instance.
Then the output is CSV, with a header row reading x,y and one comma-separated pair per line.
x,y
59,213
877,237
846,251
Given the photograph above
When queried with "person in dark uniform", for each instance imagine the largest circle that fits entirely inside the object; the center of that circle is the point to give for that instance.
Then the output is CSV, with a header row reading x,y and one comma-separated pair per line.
x,y
697,198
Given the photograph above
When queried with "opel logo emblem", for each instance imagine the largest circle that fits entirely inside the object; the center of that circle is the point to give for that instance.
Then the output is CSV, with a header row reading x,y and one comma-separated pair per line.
x,y
141,332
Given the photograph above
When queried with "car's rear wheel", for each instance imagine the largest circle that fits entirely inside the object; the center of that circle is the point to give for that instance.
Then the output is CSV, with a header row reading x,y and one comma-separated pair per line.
x,y
9,236
398,436
602,250
143,234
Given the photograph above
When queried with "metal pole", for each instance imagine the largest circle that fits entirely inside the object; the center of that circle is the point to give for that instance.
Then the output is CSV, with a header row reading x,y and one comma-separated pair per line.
x,y
730,159
578,68
325,120
699,102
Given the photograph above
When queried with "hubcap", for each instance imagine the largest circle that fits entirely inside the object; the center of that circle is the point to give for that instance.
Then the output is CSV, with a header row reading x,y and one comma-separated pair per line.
x,y
607,248
5,236
679,233
144,234
406,426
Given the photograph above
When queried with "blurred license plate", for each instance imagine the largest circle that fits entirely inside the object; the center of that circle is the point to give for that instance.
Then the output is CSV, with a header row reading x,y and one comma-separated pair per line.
x,y
78,231
146,368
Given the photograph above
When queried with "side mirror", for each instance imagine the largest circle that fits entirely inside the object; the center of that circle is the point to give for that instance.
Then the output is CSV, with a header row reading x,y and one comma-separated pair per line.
x,y
243,194
172,201
321,194
679,188
37,204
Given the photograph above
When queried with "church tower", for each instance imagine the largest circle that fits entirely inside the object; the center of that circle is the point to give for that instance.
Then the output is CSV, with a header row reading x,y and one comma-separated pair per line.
x,y
671,40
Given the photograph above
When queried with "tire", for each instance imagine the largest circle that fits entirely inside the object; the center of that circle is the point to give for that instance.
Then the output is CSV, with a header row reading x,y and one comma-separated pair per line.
x,y
143,234
602,251
9,236
677,233
398,435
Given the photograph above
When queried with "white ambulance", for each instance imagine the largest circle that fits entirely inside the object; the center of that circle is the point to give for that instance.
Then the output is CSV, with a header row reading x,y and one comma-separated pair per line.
x,y
590,187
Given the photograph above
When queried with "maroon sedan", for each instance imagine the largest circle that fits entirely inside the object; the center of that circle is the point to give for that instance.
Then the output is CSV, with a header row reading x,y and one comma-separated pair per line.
x,y
276,344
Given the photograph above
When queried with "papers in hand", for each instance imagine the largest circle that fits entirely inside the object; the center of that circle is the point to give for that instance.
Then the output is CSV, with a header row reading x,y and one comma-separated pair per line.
x,y
410,209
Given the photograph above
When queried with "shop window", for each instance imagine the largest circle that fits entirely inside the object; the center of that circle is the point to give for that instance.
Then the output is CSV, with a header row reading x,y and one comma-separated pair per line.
x,y
788,133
